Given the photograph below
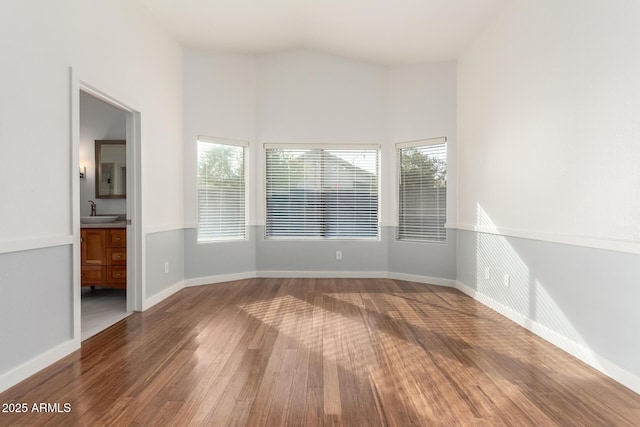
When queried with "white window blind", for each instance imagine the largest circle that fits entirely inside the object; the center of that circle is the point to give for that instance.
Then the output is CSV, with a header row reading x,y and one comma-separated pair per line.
x,y
321,192
221,189
423,190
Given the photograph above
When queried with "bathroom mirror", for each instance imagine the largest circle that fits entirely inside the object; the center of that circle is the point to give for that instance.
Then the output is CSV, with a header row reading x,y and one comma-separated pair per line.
x,y
111,170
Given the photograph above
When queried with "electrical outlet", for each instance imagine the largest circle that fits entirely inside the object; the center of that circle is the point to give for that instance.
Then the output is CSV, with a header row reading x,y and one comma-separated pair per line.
x,y
166,267
506,281
338,254
487,273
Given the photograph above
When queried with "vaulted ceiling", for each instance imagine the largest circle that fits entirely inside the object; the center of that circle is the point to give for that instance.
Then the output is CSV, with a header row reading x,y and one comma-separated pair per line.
x,y
381,31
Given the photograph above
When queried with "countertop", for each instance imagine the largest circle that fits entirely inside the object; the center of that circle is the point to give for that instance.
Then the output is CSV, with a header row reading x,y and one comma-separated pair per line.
x,y
115,224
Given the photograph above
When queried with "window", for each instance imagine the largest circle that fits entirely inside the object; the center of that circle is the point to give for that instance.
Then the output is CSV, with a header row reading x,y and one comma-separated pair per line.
x,y
321,192
221,189
423,190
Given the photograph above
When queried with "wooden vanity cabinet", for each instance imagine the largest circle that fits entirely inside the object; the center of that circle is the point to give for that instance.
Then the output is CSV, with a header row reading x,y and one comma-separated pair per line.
x,y
103,257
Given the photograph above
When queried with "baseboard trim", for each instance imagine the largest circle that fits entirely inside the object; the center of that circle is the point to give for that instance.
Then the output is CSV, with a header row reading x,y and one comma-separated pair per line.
x,y
422,279
208,280
199,281
162,295
588,356
323,274
38,363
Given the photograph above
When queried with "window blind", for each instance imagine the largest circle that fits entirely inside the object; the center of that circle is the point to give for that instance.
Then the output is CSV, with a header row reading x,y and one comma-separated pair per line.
x,y
221,189
321,192
423,191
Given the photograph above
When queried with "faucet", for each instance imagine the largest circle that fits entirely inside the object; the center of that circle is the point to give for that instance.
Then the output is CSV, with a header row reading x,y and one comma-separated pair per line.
x,y
93,207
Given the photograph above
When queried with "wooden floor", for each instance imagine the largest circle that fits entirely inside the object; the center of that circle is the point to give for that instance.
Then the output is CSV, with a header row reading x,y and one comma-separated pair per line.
x,y
305,352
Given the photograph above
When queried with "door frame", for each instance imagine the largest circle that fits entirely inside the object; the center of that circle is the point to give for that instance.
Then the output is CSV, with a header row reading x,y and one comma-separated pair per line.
x,y
135,250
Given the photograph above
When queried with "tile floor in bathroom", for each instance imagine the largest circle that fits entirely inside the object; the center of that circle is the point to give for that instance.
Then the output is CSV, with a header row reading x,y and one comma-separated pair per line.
x,y
101,308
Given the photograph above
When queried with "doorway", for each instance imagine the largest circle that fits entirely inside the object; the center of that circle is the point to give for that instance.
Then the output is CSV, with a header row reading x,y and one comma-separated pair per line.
x,y
107,277
103,215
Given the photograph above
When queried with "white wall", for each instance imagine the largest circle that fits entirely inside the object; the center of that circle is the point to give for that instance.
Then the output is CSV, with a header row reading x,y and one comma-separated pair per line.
x,y
548,131
297,96
219,100
219,93
137,63
98,121
549,100
422,104
306,96
115,46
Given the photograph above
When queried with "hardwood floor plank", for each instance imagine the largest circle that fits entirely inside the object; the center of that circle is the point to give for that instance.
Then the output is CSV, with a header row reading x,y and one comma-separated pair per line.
x,y
331,389
314,407
314,352
280,402
201,410
298,396
224,409
239,413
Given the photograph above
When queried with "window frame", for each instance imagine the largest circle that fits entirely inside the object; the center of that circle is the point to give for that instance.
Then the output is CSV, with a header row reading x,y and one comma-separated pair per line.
x,y
246,175
324,147
416,144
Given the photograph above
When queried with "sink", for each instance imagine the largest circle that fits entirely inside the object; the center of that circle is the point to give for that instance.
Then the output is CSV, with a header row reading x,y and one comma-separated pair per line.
x,y
100,219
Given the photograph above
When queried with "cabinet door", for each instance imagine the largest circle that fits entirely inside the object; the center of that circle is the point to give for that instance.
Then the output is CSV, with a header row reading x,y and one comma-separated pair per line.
x,y
91,275
92,246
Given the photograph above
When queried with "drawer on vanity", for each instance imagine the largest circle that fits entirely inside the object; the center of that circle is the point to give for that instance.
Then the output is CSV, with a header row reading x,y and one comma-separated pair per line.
x,y
117,256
